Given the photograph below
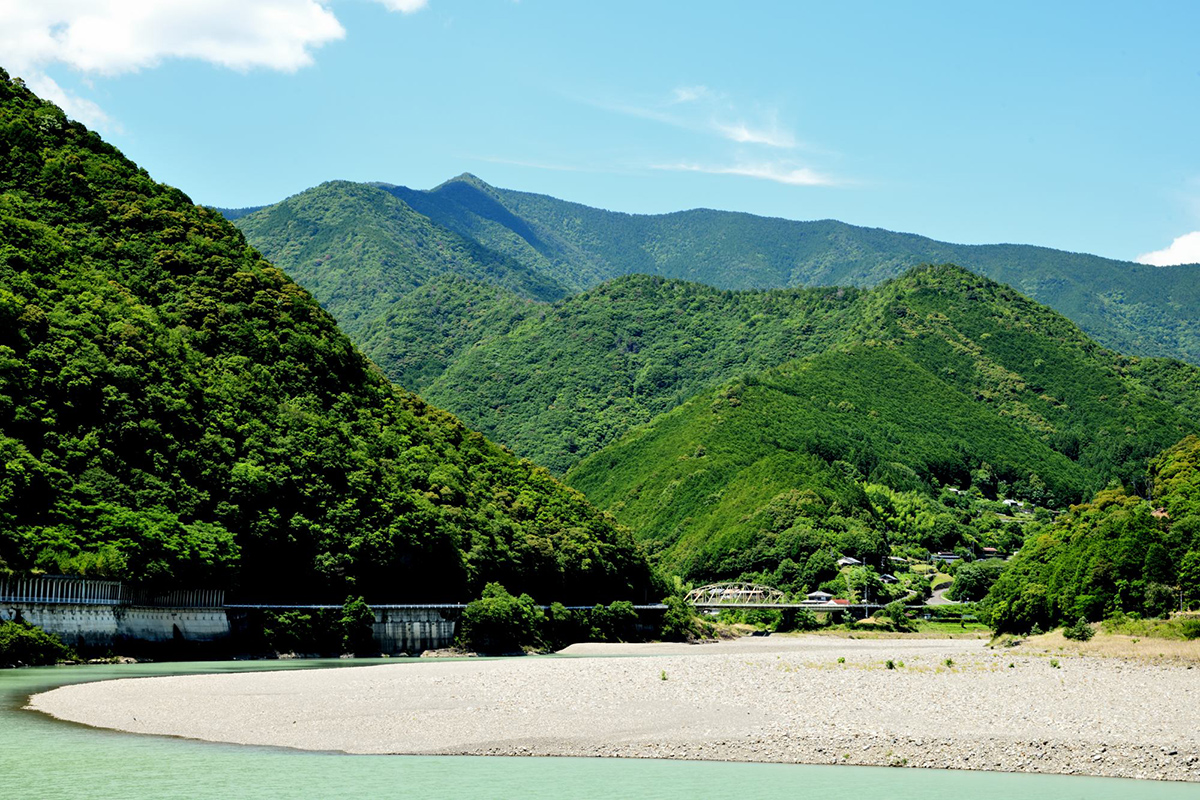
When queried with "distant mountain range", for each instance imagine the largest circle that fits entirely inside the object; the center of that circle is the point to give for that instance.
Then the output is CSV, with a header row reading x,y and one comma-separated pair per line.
x,y
545,248
650,360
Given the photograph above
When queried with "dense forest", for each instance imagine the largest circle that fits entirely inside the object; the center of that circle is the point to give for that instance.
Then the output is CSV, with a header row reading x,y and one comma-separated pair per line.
x,y
558,383
1116,554
175,409
1132,308
947,379
573,377
781,465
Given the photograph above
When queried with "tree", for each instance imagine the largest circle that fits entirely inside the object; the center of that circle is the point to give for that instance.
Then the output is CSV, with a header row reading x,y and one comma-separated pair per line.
x,y
357,626
973,580
679,623
499,623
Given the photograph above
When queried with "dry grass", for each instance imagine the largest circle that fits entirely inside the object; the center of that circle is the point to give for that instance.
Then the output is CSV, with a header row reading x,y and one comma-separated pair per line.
x,y
1112,645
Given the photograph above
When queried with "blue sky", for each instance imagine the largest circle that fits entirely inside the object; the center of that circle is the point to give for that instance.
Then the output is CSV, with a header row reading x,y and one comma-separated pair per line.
x,y
1071,125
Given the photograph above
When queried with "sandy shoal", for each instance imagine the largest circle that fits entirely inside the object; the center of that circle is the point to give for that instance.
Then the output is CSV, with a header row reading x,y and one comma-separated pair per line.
x,y
764,699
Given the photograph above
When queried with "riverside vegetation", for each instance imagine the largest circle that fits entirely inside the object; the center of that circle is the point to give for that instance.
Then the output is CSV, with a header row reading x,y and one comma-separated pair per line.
x,y
1117,555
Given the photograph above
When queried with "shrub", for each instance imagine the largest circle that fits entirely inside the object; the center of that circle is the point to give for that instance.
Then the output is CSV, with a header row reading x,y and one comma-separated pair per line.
x,y
357,626
896,612
1190,628
564,627
679,623
499,623
22,644
616,622
1080,631
798,619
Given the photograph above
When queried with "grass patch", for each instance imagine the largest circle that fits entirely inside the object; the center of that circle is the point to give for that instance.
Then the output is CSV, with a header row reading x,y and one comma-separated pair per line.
x,y
1182,627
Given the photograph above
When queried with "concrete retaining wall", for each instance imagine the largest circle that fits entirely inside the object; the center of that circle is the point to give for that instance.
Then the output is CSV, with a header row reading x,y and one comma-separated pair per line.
x,y
104,626
411,630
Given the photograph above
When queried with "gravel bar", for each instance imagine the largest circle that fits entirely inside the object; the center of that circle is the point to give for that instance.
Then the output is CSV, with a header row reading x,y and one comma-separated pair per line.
x,y
772,699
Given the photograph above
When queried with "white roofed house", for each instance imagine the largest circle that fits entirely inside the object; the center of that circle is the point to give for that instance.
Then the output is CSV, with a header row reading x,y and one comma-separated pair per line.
x,y
817,598
847,561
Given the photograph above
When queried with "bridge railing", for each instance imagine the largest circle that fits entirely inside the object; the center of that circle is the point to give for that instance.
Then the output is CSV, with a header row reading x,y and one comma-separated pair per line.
x,y
178,598
60,589
68,589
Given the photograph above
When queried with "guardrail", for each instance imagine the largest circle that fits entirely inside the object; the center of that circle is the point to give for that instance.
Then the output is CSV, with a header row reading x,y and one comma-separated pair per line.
x,y
60,589
67,589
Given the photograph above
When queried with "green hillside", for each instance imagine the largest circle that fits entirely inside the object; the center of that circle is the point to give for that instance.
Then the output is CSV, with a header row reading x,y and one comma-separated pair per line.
x,y
698,481
1119,553
942,375
175,410
359,249
558,383
574,376
423,334
1132,308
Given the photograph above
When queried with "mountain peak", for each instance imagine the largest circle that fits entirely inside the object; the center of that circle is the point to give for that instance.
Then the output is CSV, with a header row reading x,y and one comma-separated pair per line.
x,y
466,177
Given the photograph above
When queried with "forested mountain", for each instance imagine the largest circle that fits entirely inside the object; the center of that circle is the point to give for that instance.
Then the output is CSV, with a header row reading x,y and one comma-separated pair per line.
x,y
1119,553
1131,308
176,410
570,378
942,376
556,383
358,249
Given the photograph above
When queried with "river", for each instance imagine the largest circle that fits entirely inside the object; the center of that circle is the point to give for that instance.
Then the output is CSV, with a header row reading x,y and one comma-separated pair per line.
x,y
45,758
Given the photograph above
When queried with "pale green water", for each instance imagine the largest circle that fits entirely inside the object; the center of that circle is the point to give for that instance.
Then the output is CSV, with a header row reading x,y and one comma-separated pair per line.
x,y
43,758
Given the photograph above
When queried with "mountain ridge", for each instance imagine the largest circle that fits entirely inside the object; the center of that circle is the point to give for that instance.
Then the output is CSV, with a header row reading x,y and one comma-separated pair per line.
x,y
1132,308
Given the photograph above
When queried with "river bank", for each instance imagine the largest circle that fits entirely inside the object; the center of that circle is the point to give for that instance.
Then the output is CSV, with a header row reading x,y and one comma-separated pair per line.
x,y
944,703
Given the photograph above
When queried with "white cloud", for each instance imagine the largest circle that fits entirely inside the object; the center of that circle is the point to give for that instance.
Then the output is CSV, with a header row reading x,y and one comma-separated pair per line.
x,y
744,134
111,37
404,6
780,173
689,94
73,105
1184,250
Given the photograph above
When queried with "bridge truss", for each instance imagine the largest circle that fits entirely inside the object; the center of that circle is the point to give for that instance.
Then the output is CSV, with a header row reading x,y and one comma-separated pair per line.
x,y
735,594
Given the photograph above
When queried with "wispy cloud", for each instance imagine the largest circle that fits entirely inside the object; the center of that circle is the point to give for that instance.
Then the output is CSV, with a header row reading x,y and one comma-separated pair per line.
x,y
703,110
114,37
689,94
789,174
744,134
1184,250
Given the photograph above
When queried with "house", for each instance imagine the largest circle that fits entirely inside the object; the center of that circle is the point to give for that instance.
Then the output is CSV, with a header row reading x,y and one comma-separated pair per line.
x,y
990,552
947,557
817,598
841,601
888,578
847,561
